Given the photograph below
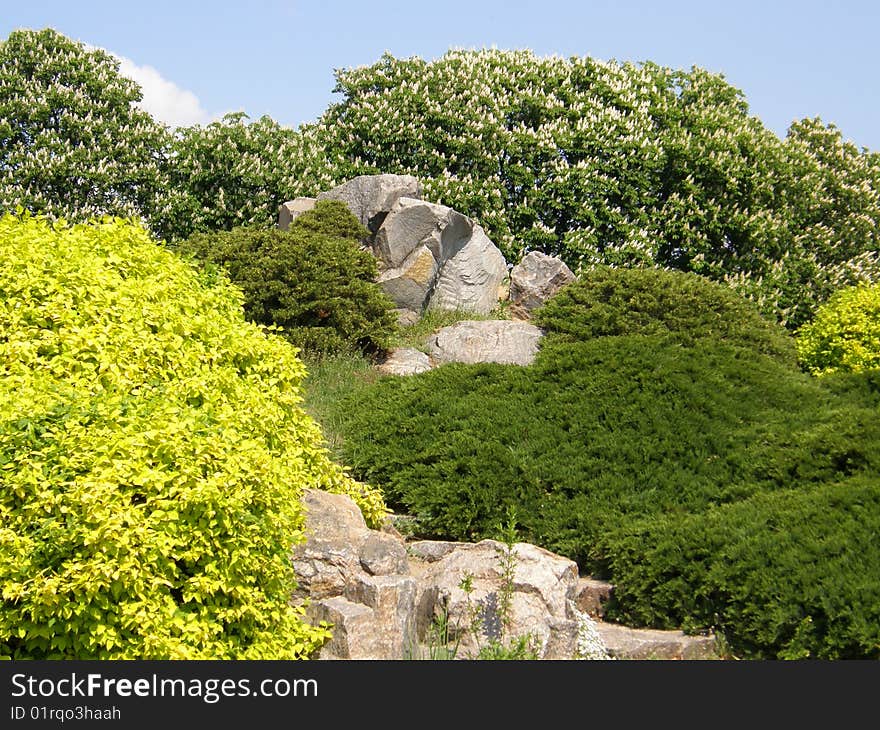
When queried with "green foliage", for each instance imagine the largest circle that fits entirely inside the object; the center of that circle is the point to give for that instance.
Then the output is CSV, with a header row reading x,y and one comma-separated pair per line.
x,y
599,162
666,412
232,173
152,454
313,280
609,302
72,142
620,164
845,334
787,575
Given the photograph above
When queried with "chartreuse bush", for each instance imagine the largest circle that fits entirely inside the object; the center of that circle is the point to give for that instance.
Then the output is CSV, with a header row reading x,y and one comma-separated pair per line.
x,y
662,423
152,455
845,334
313,280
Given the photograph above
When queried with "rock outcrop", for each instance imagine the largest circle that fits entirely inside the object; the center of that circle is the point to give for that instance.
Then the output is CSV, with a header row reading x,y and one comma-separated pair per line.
x,y
429,255
410,284
542,587
355,578
384,597
370,197
502,341
471,279
535,279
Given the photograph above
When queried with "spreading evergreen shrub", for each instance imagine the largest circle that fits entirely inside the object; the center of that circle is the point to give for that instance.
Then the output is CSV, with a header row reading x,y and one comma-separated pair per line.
x,y
788,574
677,404
313,280
845,334
607,301
152,455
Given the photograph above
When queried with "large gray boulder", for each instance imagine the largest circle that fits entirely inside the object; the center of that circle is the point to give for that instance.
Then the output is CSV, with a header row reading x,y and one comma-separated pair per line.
x,y
410,284
370,197
470,268
502,341
472,278
293,209
542,586
535,279
411,223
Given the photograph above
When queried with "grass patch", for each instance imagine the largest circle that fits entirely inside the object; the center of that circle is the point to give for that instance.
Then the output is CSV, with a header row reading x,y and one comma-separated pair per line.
x,y
329,382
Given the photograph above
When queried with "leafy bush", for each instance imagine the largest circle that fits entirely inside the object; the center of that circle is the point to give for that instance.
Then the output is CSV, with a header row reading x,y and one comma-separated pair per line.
x,y
233,173
313,280
845,334
152,452
606,302
666,412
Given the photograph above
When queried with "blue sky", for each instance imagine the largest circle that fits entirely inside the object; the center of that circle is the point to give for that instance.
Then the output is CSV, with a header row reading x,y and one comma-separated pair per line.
x,y
198,60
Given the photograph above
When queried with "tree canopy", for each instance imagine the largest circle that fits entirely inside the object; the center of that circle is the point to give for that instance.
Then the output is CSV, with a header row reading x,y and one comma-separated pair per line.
x,y
73,143
600,162
622,164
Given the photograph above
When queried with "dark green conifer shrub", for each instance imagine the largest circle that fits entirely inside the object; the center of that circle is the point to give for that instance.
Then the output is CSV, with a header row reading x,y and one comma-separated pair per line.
x,y
313,280
657,400
607,301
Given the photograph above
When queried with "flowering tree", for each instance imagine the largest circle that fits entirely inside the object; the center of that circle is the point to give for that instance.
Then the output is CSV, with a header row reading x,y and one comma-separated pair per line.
x,y
623,164
234,172
72,141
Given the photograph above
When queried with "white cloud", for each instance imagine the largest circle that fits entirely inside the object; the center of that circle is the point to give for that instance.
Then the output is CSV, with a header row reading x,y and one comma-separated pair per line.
x,y
164,99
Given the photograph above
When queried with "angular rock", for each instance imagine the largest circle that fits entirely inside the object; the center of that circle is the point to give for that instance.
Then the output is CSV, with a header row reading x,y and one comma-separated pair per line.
x,y
501,341
405,361
411,223
353,627
333,516
542,586
592,596
472,278
330,556
370,197
622,642
410,284
534,280
383,554
392,599
292,209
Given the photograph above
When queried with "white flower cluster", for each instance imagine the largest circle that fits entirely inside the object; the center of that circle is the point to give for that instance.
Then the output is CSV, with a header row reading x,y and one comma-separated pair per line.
x,y
589,642
72,142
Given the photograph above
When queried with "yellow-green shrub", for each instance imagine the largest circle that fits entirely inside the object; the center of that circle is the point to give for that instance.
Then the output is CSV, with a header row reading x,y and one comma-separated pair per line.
x,y
845,334
152,455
